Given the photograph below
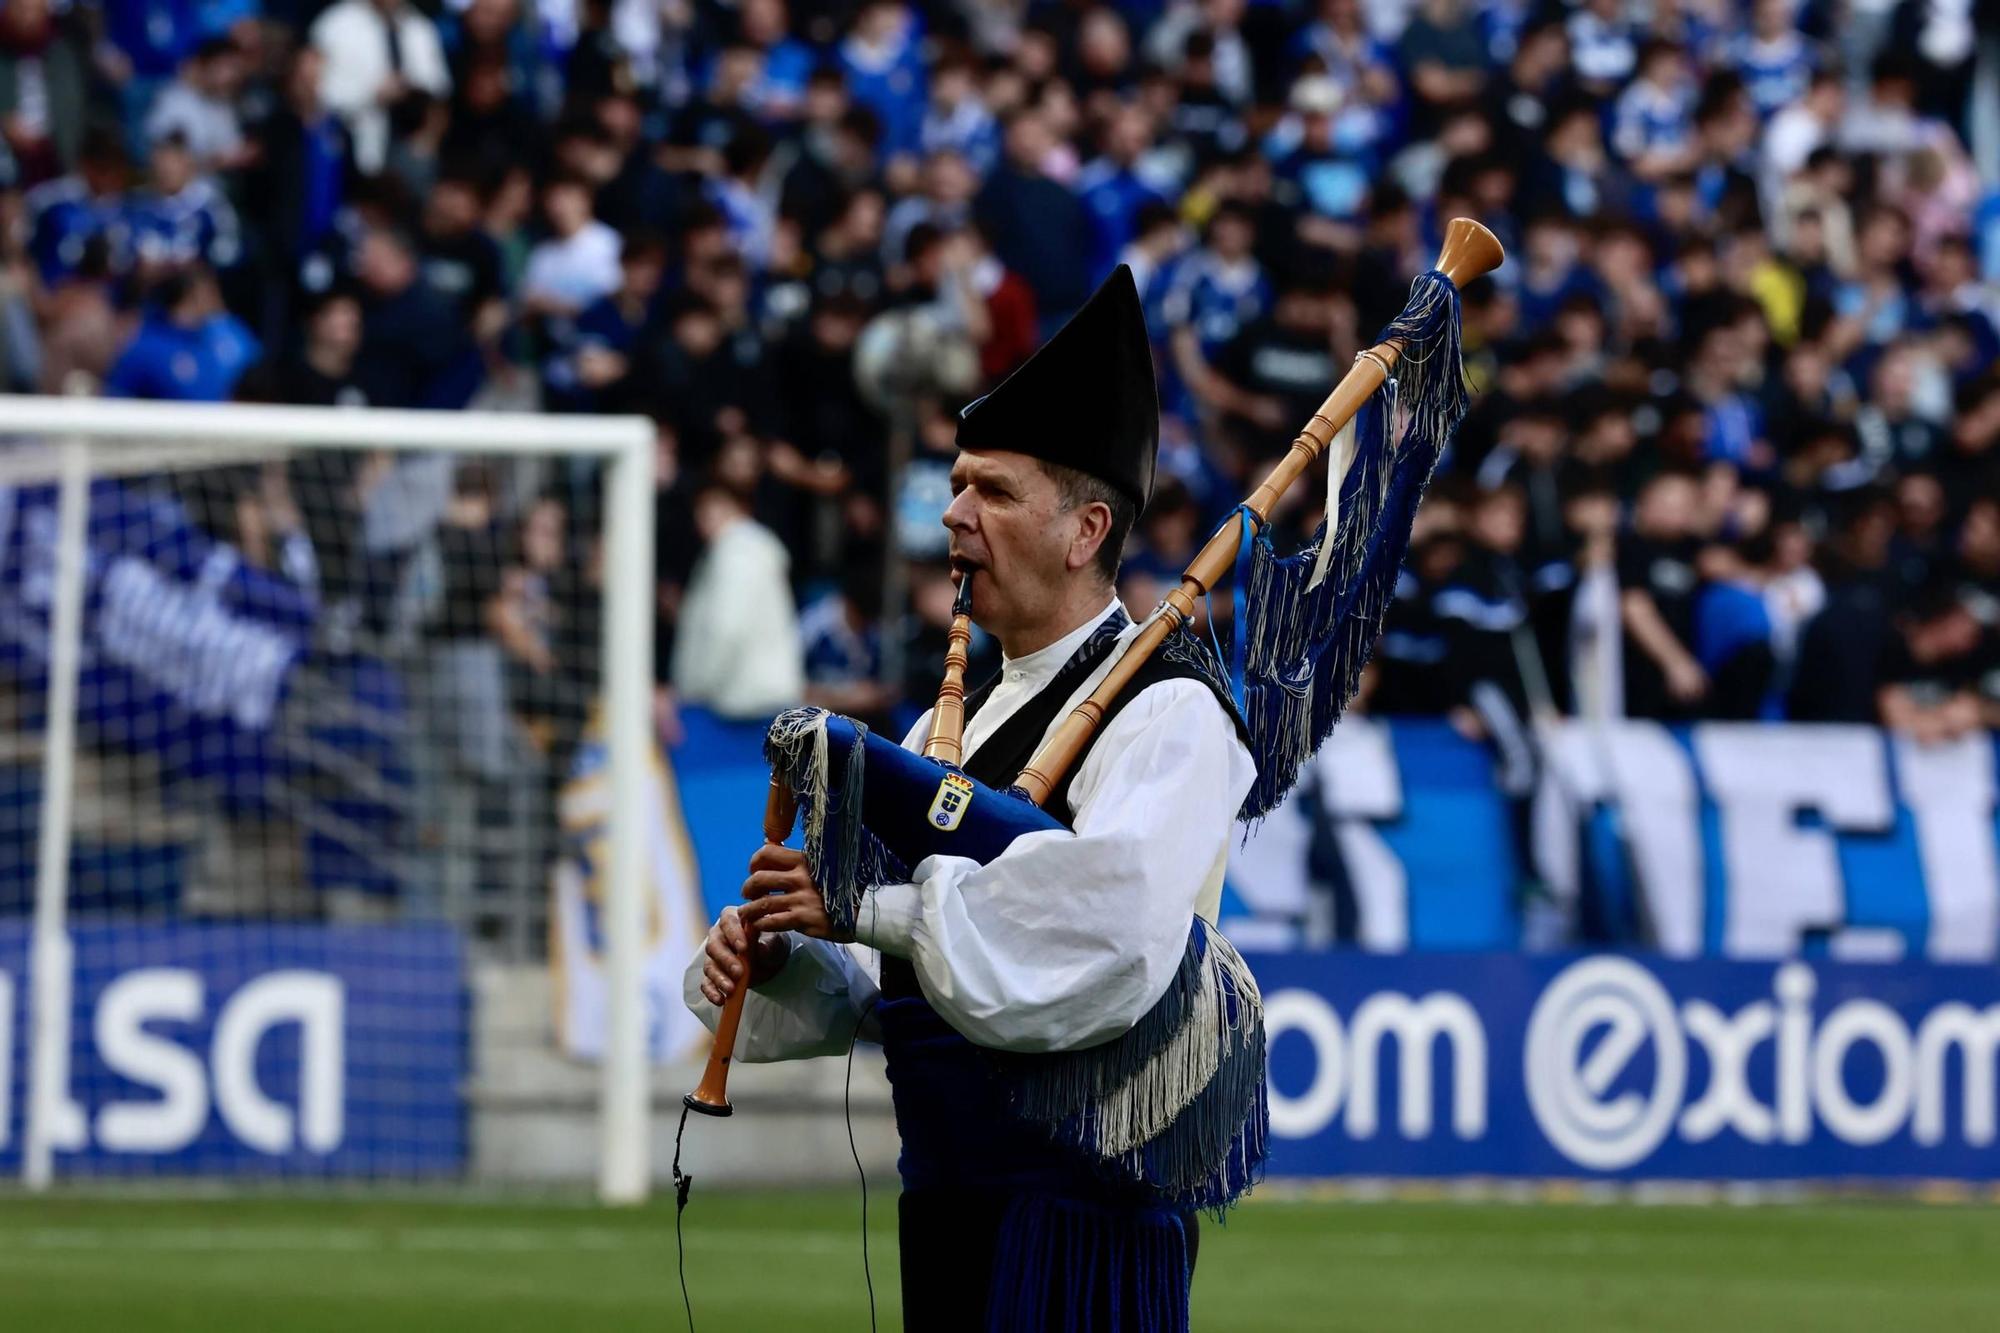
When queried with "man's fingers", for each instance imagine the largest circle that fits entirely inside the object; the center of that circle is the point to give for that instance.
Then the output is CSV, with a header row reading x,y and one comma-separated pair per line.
x,y
765,911
763,882
724,972
773,857
733,933
757,913
788,918
719,952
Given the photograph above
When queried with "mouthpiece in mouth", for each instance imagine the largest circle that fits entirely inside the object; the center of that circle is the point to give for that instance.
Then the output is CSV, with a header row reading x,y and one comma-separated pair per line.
x,y
962,605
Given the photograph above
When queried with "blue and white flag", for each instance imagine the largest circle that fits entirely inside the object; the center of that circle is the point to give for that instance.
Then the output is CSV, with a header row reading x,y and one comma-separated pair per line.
x,y
204,665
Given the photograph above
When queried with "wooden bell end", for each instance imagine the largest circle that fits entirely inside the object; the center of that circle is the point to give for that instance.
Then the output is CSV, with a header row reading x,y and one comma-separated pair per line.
x,y
1470,251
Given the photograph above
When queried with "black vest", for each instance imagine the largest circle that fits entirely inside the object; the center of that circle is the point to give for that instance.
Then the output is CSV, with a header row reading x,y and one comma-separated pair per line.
x,y
1001,757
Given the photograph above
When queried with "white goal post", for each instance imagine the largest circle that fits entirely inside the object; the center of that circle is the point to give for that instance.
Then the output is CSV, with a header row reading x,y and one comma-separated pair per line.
x,y
73,441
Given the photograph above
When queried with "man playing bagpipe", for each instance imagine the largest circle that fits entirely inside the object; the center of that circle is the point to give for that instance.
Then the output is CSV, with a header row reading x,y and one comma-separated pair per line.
x,y
1076,1057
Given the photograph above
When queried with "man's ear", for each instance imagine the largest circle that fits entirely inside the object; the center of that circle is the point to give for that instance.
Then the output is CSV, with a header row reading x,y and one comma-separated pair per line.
x,y
1093,528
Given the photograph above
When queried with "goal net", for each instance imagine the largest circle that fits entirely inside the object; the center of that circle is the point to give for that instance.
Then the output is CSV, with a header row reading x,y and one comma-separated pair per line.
x,y
287,699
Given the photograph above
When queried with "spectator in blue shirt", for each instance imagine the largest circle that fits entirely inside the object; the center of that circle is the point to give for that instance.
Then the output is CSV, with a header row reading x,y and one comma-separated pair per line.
x,y
1726,133
188,349
183,217
746,211
1577,173
1159,242
1362,67
1215,292
883,60
1602,51
1328,176
1550,269
1039,229
1370,108
1685,23
1732,424
151,37
788,62
1875,305
145,42
591,354
1773,58
1113,188
1220,288
66,214
1653,126
946,203
957,119
1733,632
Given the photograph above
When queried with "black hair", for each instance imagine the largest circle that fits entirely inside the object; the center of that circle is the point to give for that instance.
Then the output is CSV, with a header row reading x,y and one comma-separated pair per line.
x,y
920,240
645,243
1152,215
747,151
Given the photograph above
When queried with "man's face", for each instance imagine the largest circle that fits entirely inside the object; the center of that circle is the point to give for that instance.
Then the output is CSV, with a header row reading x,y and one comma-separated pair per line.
x,y
1499,522
698,332
951,181
1028,142
452,209
568,208
1232,237
337,326
1666,509
226,74
1009,526
738,69
643,273
173,168
1126,139
385,264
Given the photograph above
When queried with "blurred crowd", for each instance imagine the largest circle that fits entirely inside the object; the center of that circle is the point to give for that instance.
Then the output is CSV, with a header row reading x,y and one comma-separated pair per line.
x,y
1733,453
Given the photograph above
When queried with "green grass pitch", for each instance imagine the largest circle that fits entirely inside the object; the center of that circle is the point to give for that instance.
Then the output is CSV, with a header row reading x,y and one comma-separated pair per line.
x,y
792,1262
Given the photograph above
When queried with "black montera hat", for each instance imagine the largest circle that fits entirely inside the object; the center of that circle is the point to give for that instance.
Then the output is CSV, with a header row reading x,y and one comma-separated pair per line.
x,y
1085,400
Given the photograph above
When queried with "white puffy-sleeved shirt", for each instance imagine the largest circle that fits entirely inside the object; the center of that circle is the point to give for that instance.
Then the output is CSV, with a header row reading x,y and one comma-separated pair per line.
x,y
1065,939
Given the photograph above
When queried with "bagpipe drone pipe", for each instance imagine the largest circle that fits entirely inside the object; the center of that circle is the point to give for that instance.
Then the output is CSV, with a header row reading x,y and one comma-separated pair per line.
x,y
1177,1104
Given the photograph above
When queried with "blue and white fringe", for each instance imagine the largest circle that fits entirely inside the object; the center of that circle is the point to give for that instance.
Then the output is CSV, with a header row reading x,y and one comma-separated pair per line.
x,y
1308,643
1178,1103
845,858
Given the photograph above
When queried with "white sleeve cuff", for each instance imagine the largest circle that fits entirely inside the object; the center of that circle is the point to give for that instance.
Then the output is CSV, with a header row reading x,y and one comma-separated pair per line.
x,y
888,918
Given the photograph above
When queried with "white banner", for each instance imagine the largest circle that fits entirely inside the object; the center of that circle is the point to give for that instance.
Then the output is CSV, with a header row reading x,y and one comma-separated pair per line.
x,y
675,920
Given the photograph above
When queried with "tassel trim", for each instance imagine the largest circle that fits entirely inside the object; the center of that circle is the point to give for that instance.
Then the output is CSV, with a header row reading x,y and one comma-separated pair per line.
x,y
1307,641
845,858
1178,1104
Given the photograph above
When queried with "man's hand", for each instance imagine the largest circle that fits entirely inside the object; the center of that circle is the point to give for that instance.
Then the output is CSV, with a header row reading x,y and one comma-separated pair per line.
x,y
783,896
1686,681
727,949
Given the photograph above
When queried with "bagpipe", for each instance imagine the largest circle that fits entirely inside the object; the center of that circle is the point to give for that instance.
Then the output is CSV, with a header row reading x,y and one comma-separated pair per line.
x,y
1177,1104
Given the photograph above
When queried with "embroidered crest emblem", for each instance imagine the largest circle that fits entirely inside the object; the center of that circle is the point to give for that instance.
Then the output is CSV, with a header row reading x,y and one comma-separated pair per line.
x,y
953,795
